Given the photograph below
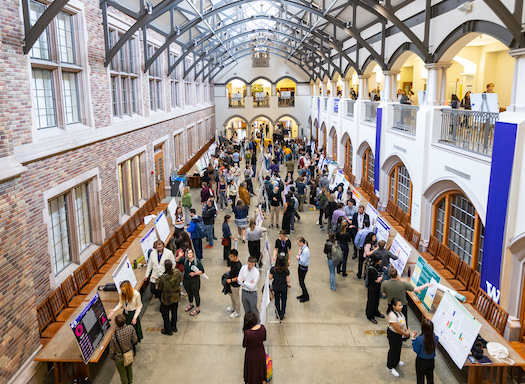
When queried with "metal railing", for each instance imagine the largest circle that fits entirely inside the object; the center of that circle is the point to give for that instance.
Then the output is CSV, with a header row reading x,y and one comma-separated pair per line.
x,y
235,103
471,130
405,118
261,102
287,102
371,111
325,104
350,108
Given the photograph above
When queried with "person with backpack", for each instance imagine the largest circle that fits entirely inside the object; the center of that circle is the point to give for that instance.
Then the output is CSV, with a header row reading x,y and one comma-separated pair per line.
x,y
295,207
197,231
281,282
425,348
374,276
334,255
322,204
120,344
209,212
169,285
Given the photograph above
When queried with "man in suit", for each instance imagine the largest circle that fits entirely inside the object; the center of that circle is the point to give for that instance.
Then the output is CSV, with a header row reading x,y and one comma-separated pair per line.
x,y
357,224
156,265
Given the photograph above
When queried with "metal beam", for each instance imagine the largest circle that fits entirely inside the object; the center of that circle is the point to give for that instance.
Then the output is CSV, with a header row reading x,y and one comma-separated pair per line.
x,y
508,20
34,32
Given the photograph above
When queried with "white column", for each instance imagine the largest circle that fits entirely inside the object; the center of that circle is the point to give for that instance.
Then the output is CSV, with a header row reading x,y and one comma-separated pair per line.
x,y
363,87
333,87
248,90
387,90
395,86
345,88
274,90
443,96
517,103
433,84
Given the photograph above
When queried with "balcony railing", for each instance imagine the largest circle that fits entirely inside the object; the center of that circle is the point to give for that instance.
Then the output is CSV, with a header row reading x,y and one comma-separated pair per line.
x,y
371,111
405,118
325,104
350,108
261,101
469,130
236,102
287,102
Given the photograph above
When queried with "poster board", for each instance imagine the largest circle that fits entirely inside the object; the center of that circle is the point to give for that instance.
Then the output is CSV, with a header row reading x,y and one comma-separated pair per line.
x,y
237,96
404,252
484,102
456,328
382,229
374,215
90,327
163,228
124,272
423,273
357,197
172,207
286,94
147,242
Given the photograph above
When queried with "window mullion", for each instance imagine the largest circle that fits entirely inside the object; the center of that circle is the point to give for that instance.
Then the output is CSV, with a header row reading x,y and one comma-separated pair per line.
x,y
72,225
475,242
59,98
446,226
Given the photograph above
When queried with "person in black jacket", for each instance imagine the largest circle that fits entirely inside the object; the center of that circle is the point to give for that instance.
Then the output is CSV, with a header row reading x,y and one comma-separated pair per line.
x,y
374,276
276,201
208,216
357,224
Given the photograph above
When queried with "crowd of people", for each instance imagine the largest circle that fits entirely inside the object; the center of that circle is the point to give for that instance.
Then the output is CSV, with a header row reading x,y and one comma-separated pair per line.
x,y
175,271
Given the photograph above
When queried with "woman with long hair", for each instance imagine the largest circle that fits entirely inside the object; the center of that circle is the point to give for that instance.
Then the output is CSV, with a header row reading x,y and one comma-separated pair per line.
x,y
369,247
241,213
281,282
287,213
192,281
130,300
396,332
179,221
425,348
344,238
374,276
232,192
227,238
186,241
222,187
253,237
255,355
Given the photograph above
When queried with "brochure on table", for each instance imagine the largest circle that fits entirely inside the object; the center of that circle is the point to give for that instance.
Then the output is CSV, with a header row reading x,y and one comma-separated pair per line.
x,y
124,272
423,273
147,242
456,328
404,252
163,228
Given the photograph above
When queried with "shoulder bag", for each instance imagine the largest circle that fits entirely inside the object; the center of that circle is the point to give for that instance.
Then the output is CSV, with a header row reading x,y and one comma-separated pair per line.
x,y
127,356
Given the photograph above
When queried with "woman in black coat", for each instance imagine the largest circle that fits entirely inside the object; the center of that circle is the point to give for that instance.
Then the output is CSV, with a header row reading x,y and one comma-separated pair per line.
x,y
374,276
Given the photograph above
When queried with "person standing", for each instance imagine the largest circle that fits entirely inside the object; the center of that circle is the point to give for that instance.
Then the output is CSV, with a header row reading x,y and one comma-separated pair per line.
x,y
281,282
186,204
283,247
206,193
323,204
369,247
255,355
235,268
301,192
331,266
290,165
385,255
227,238
241,221
396,332
344,238
192,230
222,186
232,193
244,195
287,214
248,279
192,281
253,237
122,341
169,285
130,300
304,261
374,276
179,221
156,265
425,348
208,216
359,243
275,202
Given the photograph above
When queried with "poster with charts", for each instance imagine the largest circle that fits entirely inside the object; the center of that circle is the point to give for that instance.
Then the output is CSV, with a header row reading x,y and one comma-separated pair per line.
x,y
382,229
147,242
163,228
456,328
90,327
124,272
423,273
404,252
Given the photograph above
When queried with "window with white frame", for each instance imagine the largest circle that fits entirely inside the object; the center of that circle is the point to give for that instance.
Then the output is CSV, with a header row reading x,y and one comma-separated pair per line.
x,y
125,86
71,227
155,81
57,70
130,175
174,83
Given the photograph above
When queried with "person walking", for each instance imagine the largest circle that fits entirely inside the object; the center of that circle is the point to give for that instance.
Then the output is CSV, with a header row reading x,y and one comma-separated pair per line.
x,y
248,280
223,189
232,193
396,332
241,220
255,355
209,213
192,230
121,342
304,261
275,202
424,346
374,276
192,282
331,266
130,300
281,282
169,285
227,238
253,237
186,204
235,268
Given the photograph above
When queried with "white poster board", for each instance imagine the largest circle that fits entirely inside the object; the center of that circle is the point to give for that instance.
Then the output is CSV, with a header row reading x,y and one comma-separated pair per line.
x,y
286,94
172,207
357,197
147,243
484,102
163,228
124,272
382,229
336,179
373,214
237,96
265,300
320,163
404,252
456,328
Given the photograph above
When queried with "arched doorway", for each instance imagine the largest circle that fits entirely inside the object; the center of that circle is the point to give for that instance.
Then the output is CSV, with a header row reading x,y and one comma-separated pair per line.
x,y
333,149
400,188
323,133
261,91
349,155
261,126
368,170
236,129
285,89
290,126
236,89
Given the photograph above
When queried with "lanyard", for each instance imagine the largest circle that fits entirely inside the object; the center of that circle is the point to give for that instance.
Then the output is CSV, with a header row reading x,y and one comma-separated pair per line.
x,y
159,255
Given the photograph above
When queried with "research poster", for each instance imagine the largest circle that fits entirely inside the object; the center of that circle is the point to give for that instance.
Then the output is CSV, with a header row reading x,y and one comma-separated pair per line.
x,y
382,229
404,252
163,228
456,328
357,197
423,273
147,242
172,207
124,272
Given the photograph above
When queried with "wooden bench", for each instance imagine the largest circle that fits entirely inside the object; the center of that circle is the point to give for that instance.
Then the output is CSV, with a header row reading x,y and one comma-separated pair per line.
x,y
71,294
90,269
473,287
483,303
441,257
498,317
432,248
451,267
84,286
46,322
374,200
403,221
100,263
58,305
464,273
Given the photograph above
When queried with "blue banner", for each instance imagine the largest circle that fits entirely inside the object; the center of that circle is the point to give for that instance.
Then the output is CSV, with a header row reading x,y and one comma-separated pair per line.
x,y
336,105
377,153
497,205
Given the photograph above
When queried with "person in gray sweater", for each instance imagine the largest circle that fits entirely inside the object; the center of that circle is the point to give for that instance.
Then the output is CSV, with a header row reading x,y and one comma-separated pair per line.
x,y
254,236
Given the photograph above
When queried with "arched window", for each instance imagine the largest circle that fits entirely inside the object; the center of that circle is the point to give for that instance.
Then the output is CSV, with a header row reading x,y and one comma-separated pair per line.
x,y
401,188
457,224
349,154
334,147
368,165
323,128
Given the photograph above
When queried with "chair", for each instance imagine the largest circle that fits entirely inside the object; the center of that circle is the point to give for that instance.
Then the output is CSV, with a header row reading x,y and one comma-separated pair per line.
x,y
124,244
115,244
519,347
473,287
414,238
408,232
84,286
100,263
498,317
57,302
391,208
462,277
402,222
46,324
148,206
441,258
90,269
432,248
71,295
351,179
483,303
451,267
374,200
129,227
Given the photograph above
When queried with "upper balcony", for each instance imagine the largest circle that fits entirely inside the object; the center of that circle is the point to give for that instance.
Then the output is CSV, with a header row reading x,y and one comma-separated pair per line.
x,y
236,100
371,111
405,117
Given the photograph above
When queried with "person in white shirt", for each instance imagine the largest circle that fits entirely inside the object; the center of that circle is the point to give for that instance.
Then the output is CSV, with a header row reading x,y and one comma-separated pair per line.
x,y
156,265
248,279
130,300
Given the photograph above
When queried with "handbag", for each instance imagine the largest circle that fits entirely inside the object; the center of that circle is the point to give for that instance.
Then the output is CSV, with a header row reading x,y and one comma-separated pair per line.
x,y
128,356
225,241
269,368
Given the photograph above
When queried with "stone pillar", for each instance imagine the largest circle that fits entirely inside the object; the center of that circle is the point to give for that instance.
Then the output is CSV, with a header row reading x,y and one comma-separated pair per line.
x,y
345,88
433,84
363,87
248,90
395,85
274,90
443,96
333,88
517,102
387,91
